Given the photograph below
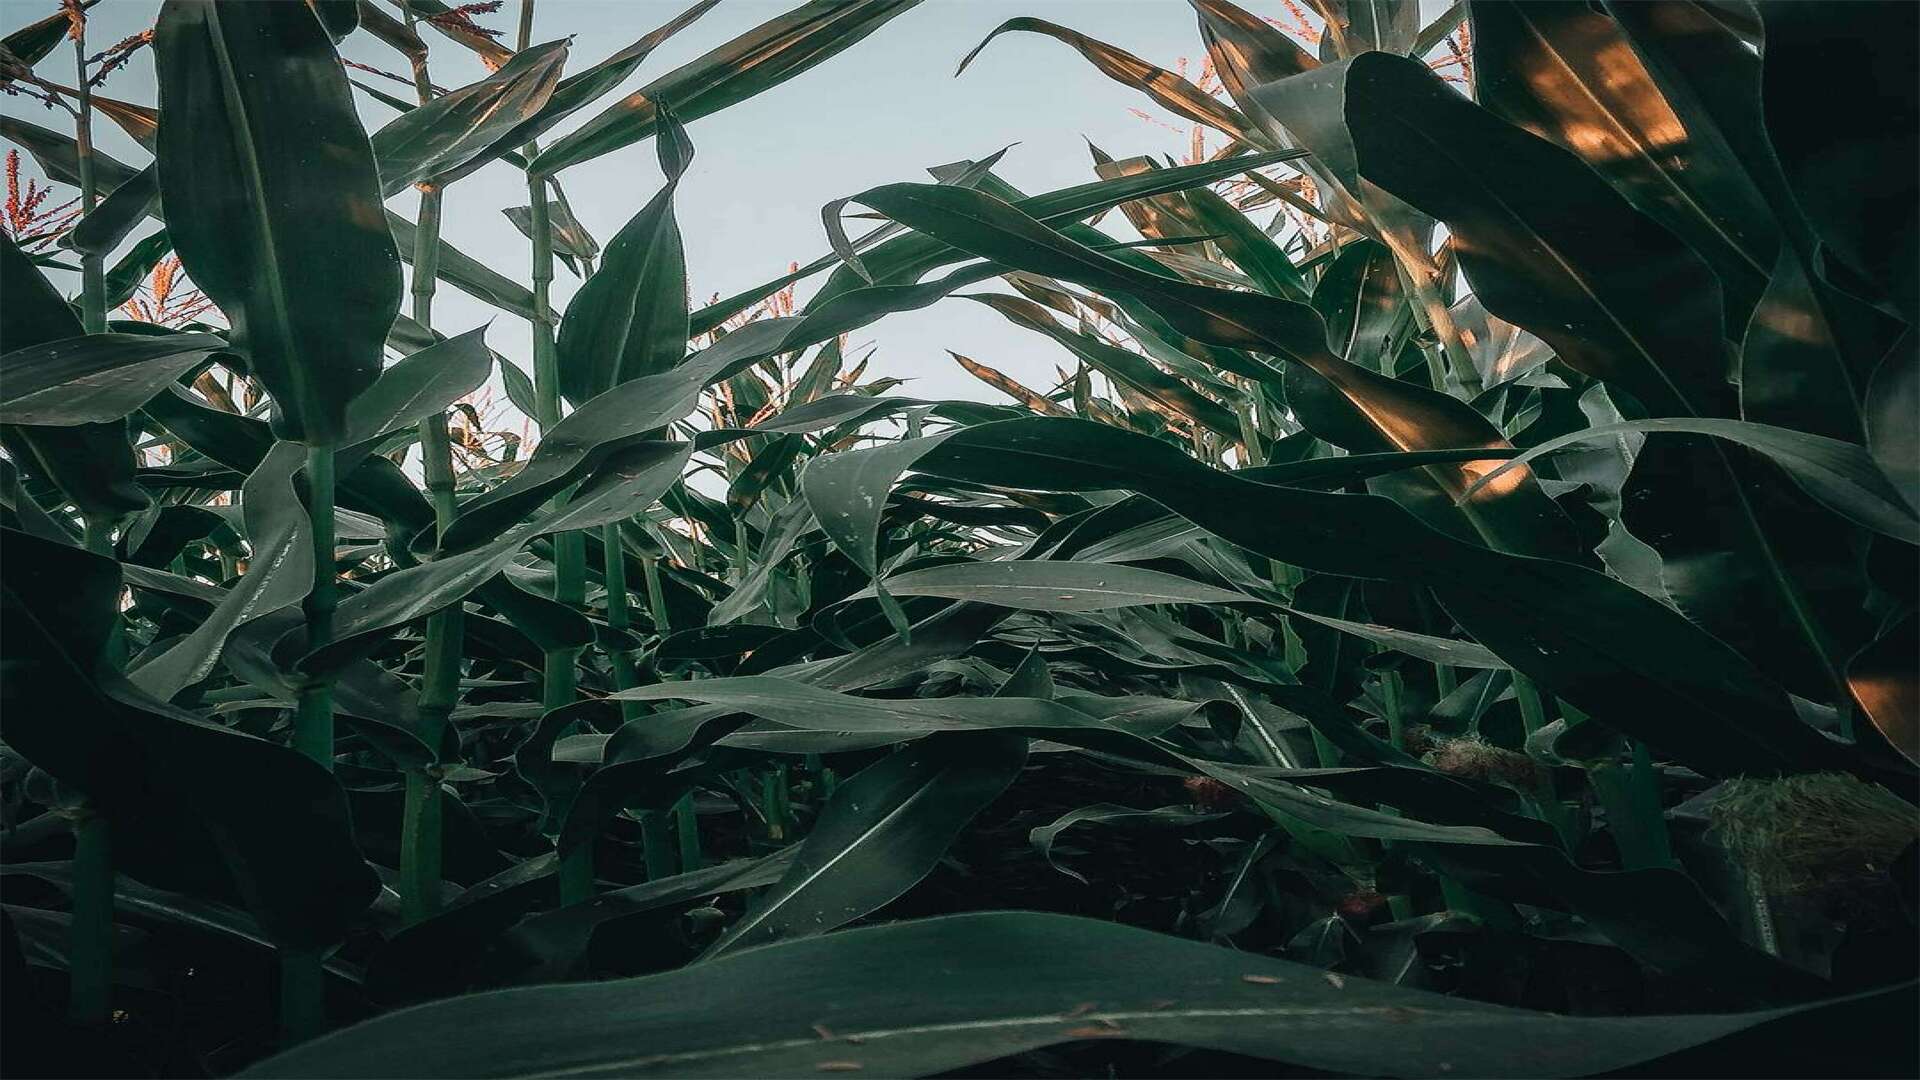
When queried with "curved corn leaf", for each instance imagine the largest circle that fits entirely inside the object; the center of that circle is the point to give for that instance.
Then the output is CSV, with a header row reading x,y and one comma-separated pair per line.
x,y
1589,639
189,801
757,60
423,384
1426,647
1541,237
736,1015
1883,680
581,89
1055,586
1399,415
279,574
625,482
274,202
32,42
880,833
629,319
91,464
466,273
626,414
117,215
1841,475
463,129
59,157
1168,90
1570,75
95,378
1043,837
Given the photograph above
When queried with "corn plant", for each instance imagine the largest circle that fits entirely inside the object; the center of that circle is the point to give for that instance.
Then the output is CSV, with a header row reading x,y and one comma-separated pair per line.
x,y
1453,612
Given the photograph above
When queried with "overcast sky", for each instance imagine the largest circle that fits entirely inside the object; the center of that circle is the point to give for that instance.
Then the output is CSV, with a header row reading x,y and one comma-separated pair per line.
x,y
883,111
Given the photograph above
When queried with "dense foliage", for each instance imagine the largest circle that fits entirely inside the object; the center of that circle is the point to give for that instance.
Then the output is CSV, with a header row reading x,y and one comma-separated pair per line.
x,y
1456,615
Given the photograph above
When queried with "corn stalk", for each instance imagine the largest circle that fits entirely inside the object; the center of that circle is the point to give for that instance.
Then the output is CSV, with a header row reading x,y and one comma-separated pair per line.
x,y
421,826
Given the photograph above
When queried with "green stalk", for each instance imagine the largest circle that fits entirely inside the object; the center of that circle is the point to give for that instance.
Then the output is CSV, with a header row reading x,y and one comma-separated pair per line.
x,y
626,675
1249,426
687,822
1392,691
313,721
569,548
1533,711
656,599
1417,273
656,833
93,286
1399,903
90,949
1646,799
576,875
1546,802
556,689
303,1011
421,823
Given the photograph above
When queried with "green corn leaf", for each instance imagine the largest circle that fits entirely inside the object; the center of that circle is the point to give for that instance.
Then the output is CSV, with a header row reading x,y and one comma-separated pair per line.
x,y
274,202
91,464
188,799
462,129
1168,90
1842,475
117,215
466,273
95,378
1571,75
1398,415
583,88
757,60
1540,235
1055,586
629,320
882,832
1589,639
967,1013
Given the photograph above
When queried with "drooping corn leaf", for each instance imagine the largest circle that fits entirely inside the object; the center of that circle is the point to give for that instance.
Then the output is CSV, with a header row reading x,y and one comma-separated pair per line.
x,y
274,202
1399,414
59,157
1055,586
582,88
466,273
279,574
424,383
1167,89
1542,239
1593,641
189,801
880,833
911,255
456,130
32,42
95,378
91,464
1841,475
1568,74
629,320
117,215
624,482
628,413
737,1014
757,60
